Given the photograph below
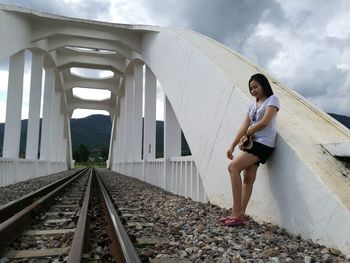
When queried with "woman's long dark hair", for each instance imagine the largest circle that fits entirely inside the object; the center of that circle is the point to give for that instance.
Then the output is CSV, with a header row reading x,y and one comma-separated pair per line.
x,y
263,81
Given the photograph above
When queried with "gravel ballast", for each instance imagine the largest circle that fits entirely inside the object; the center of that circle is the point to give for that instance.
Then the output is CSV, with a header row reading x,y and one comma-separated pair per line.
x,y
14,191
192,230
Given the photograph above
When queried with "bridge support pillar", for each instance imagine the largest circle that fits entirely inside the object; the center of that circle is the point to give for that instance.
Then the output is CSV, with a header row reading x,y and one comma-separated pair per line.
x,y
138,82
68,141
34,107
121,142
55,139
129,116
46,127
113,152
149,142
172,142
14,106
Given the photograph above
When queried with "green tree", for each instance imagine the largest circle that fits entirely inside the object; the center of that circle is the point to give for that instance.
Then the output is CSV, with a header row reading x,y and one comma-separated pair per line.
x,y
104,153
76,155
84,153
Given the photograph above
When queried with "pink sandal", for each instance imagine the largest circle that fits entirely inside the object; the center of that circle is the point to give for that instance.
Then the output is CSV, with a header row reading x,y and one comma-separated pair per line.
x,y
235,222
224,219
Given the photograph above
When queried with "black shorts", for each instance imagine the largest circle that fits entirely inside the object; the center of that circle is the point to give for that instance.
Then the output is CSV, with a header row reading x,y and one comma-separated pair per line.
x,y
260,150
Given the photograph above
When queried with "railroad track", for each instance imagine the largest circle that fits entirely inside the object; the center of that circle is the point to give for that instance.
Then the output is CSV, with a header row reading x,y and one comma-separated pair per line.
x,y
72,220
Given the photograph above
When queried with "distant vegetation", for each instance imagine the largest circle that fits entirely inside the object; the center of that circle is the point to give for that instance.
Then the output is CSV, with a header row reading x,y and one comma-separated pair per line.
x,y
342,119
90,138
93,134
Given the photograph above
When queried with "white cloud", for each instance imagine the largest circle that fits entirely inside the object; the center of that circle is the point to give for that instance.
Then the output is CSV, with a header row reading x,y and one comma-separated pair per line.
x,y
304,54
82,113
2,111
91,94
4,80
128,12
160,102
339,28
92,73
143,12
26,85
3,92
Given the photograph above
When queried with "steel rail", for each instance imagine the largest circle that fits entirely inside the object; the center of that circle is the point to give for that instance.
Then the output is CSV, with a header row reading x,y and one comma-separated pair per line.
x,y
129,253
12,227
81,232
9,209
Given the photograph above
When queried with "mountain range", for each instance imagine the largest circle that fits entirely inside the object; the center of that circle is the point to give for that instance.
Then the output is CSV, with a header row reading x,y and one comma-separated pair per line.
x,y
94,132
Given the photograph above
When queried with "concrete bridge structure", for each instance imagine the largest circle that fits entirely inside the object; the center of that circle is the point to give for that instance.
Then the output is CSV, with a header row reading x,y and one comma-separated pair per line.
x,y
303,188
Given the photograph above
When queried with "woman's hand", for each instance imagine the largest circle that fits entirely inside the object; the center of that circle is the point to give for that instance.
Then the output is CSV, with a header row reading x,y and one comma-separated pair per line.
x,y
242,141
230,152
250,131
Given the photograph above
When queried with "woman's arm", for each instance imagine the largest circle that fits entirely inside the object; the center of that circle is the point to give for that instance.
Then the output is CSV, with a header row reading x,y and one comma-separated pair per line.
x,y
269,113
241,132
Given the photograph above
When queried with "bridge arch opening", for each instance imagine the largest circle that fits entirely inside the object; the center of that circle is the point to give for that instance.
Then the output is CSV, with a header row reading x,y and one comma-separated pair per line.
x,y
91,93
88,73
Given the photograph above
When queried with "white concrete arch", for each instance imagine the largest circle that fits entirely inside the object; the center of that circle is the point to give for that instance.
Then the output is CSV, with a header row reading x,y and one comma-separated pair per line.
x,y
172,172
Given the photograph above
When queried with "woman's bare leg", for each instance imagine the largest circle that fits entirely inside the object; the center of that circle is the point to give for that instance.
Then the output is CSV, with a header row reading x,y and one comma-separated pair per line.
x,y
238,164
248,181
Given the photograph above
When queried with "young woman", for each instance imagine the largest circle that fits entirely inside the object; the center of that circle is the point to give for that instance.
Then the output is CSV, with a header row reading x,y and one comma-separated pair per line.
x,y
259,125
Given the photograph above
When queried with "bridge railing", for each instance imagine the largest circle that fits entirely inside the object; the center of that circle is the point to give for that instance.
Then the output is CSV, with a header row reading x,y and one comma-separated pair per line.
x,y
186,180
178,175
17,170
154,172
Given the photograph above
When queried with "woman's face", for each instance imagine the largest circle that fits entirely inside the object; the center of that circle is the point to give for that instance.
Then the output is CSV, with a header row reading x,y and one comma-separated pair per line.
x,y
255,89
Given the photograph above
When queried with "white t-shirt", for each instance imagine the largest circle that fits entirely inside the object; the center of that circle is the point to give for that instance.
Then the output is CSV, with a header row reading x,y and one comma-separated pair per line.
x,y
266,136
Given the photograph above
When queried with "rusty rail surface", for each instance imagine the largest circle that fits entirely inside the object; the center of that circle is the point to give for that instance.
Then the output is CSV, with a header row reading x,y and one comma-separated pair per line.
x,y
82,229
10,209
119,236
121,248
13,226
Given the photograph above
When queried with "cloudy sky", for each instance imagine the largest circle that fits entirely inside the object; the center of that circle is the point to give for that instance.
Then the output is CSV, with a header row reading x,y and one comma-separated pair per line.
x,y
304,44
